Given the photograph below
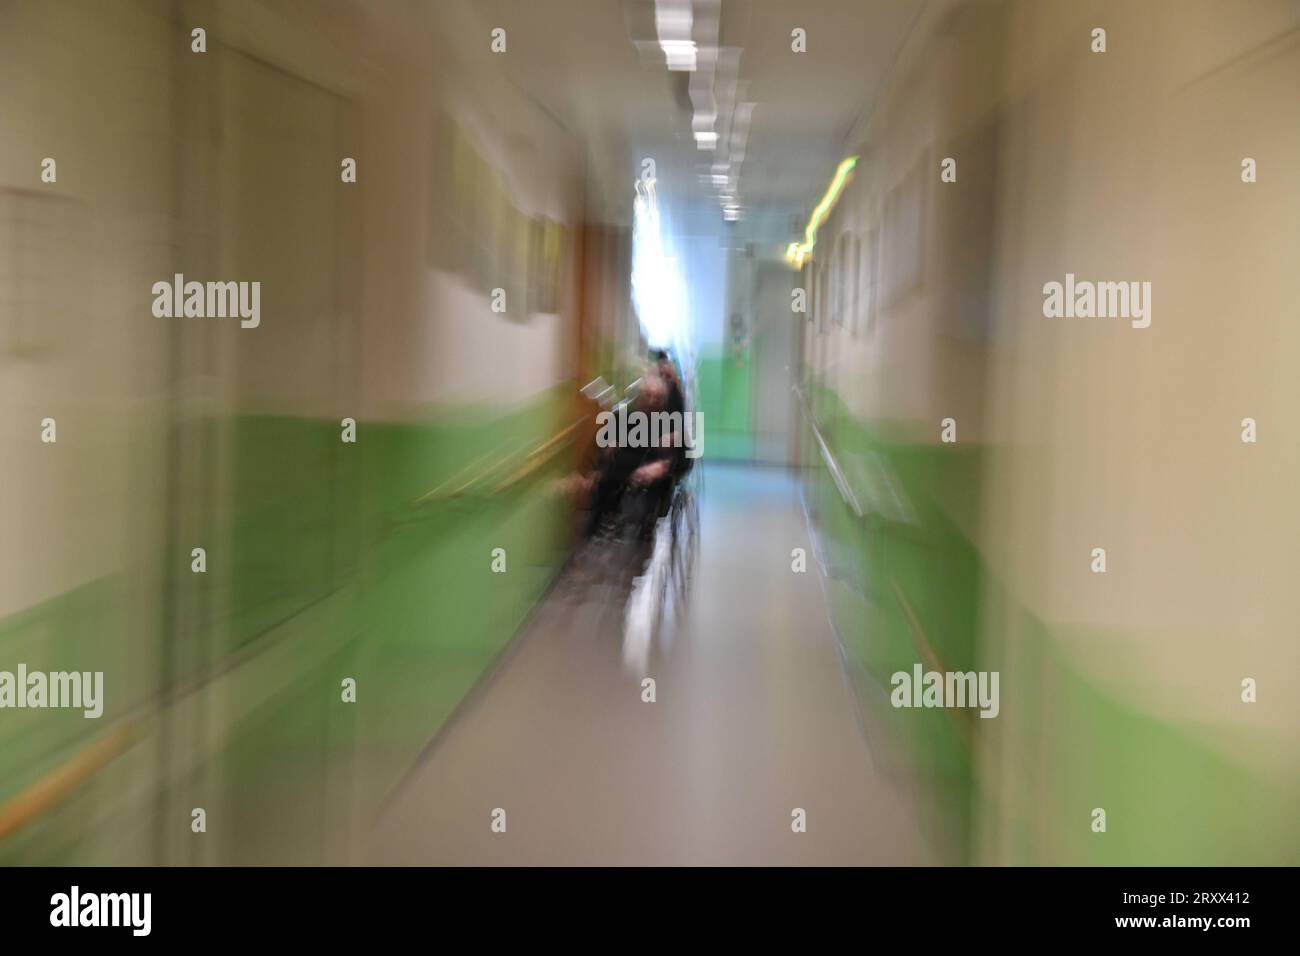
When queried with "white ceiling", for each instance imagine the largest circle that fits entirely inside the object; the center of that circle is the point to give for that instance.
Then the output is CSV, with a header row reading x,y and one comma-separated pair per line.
x,y
577,59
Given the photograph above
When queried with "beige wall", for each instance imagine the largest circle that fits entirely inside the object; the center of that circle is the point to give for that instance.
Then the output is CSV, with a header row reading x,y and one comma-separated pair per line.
x,y
163,161
1128,438
77,340
1115,166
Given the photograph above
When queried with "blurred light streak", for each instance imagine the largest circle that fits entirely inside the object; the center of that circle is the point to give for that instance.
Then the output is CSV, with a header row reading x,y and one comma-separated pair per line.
x,y
798,253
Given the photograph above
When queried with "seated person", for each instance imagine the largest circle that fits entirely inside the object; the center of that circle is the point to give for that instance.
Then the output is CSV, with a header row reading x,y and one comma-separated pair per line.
x,y
638,481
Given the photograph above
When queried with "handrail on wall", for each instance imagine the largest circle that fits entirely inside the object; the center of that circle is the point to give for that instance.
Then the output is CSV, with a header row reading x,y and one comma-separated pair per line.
x,y
963,719
828,456
539,457
51,789
597,390
528,464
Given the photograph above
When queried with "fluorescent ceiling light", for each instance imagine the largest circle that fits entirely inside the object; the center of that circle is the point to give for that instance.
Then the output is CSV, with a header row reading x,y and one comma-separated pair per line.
x,y
680,54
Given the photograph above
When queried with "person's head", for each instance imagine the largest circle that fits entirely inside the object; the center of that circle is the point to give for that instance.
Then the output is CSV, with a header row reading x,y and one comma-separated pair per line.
x,y
665,367
654,389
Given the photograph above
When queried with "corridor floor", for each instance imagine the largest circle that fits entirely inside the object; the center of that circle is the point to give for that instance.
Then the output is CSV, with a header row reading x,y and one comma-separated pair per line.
x,y
753,718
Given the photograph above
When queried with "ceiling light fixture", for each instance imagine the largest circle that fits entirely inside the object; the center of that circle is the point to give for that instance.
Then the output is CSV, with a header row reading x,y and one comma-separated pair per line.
x,y
680,54
673,22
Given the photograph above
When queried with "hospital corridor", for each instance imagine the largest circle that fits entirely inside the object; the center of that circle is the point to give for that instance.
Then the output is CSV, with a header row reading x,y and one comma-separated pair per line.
x,y
649,433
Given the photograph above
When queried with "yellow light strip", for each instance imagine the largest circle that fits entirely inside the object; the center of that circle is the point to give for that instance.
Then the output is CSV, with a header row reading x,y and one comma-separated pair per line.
x,y
797,253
